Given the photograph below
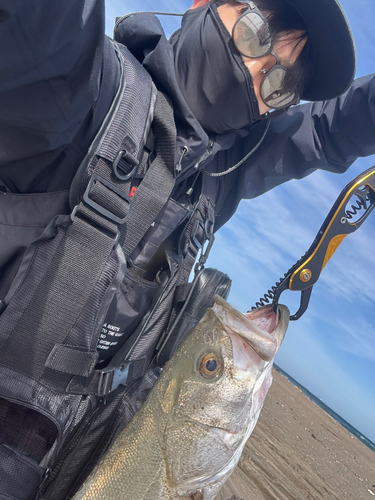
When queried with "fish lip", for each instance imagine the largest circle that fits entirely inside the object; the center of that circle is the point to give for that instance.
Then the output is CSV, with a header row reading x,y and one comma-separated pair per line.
x,y
264,343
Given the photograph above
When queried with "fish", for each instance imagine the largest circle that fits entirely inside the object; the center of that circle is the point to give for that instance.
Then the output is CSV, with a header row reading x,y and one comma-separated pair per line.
x,y
187,438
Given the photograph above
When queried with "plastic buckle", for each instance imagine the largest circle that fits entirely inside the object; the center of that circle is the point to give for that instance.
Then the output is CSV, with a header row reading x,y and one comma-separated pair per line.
x,y
110,378
130,159
98,208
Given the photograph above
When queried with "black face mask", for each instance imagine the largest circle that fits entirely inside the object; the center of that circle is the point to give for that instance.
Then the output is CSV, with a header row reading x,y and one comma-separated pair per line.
x,y
212,74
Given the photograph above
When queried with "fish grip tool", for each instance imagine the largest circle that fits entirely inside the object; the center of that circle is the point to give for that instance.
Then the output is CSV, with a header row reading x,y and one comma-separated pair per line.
x,y
337,225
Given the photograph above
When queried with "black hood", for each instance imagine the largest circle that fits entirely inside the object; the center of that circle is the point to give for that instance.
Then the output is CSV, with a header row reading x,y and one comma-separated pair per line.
x,y
144,36
212,74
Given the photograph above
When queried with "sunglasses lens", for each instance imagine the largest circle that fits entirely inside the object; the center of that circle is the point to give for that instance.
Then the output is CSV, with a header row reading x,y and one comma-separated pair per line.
x,y
251,36
271,89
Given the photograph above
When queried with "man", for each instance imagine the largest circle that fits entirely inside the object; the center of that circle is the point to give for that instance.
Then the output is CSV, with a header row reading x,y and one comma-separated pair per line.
x,y
228,66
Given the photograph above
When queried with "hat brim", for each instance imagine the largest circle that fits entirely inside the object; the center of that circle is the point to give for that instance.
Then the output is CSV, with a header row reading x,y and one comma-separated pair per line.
x,y
332,43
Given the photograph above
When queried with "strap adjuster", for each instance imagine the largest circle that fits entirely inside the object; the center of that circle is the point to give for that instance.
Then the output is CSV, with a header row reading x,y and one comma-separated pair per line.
x,y
193,244
98,208
112,377
201,233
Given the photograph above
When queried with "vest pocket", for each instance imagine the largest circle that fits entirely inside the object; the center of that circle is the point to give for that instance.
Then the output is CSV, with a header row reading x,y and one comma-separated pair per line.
x,y
131,302
26,436
23,218
20,476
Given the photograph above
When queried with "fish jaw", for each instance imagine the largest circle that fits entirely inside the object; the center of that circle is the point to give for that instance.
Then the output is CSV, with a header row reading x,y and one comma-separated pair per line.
x,y
262,329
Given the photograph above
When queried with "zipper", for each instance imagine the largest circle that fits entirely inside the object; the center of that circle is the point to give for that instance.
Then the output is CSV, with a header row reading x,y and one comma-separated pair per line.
x,y
45,477
205,155
105,442
68,447
184,151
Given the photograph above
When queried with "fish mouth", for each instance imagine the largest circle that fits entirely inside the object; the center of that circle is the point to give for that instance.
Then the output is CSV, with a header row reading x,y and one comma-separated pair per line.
x,y
262,329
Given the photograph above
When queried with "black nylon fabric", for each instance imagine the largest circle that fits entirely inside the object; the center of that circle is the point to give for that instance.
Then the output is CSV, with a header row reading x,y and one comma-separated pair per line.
x,y
19,477
132,300
43,304
26,430
109,419
302,144
54,61
206,59
23,219
158,183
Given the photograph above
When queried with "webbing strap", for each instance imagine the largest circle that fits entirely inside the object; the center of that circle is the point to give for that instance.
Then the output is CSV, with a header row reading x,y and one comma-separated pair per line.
x,y
198,231
72,280
69,274
106,207
67,359
158,183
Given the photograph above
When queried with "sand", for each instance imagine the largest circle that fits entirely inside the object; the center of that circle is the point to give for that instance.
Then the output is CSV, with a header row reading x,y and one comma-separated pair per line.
x,y
297,451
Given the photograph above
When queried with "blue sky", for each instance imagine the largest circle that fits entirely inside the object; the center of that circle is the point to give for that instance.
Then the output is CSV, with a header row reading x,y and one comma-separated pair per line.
x,y
331,349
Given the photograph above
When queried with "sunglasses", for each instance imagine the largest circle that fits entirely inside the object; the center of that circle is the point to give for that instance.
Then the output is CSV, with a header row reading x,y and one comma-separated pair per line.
x,y
252,38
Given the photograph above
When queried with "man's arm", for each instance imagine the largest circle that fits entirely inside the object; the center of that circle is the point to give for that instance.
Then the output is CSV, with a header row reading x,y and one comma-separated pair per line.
x,y
328,135
58,76
51,57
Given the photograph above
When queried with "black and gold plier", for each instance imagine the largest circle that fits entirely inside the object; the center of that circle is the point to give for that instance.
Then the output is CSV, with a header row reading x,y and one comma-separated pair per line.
x,y
338,224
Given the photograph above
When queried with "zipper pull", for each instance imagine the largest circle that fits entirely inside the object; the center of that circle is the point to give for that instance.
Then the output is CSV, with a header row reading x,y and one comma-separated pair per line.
x,y
46,475
184,151
205,155
2,306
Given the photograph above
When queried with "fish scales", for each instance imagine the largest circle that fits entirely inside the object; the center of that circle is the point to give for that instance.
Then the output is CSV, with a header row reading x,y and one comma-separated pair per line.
x,y
187,438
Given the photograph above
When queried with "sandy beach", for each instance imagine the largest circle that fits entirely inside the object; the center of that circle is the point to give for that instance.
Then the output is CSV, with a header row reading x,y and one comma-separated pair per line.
x,y
299,452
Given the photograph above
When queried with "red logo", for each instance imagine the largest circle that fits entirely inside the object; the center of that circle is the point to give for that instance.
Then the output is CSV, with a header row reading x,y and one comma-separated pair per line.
x,y
132,192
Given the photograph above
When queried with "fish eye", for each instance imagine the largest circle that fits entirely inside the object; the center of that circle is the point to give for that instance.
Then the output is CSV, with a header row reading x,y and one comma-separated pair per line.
x,y
209,365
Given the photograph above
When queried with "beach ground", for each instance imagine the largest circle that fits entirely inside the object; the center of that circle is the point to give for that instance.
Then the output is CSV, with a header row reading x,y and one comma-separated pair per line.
x,y
299,452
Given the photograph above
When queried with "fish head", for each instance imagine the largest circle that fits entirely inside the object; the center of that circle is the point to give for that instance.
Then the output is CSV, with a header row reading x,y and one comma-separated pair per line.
x,y
215,386
224,360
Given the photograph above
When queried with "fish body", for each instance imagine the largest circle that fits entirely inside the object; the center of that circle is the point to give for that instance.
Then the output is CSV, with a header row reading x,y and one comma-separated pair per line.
x,y
187,438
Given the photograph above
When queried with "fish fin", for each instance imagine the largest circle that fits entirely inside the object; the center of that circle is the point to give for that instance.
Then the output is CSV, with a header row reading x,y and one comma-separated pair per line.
x,y
168,399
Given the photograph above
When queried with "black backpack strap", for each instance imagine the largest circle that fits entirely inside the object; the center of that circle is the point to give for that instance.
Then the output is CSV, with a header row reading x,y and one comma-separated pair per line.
x,y
158,183
60,305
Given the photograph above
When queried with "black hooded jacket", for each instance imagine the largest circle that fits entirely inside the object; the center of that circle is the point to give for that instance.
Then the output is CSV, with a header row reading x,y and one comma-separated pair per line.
x,y
59,75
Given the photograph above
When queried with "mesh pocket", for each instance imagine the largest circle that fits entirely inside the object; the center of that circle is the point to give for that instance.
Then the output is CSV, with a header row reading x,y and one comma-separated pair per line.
x,y
25,438
26,431
19,476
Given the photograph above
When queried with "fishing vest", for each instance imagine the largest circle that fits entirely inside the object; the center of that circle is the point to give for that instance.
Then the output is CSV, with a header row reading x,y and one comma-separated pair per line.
x,y
100,296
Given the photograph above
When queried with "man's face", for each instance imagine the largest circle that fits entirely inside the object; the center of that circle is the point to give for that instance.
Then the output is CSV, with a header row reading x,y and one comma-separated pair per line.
x,y
287,48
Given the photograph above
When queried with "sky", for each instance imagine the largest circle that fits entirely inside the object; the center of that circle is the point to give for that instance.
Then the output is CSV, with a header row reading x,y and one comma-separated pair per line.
x,y
331,349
